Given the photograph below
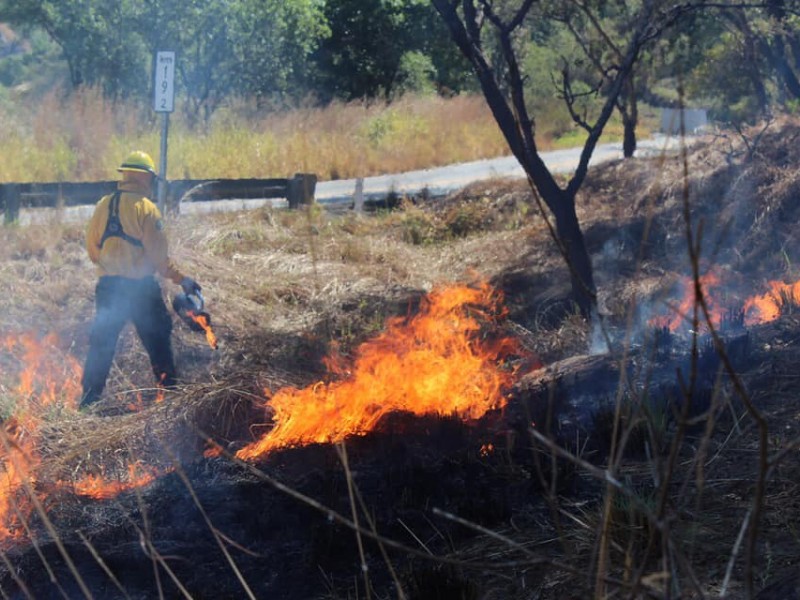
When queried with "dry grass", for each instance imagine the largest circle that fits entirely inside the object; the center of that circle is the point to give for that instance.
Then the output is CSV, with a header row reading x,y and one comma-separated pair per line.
x,y
82,137
282,286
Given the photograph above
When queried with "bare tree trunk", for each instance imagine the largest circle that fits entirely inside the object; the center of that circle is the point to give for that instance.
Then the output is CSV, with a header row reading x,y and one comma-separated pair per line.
x,y
573,245
511,113
778,55
629,138
629,110
781,64
774,50
757,80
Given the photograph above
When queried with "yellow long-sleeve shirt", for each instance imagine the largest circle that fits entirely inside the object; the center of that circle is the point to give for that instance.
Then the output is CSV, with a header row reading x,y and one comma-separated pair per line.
x,y
140,219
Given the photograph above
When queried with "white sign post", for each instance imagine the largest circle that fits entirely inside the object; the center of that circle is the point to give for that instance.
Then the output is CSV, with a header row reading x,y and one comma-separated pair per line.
x,y
164,102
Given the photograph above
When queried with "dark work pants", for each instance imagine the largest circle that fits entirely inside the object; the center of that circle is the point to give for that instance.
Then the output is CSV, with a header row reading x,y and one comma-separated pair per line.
x,y
117,301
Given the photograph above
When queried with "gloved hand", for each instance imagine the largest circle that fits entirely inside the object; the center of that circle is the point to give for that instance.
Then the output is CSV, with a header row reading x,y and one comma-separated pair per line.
x,y
190,286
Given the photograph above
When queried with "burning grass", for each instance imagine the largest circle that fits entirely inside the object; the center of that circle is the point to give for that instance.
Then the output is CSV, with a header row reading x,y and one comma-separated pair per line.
x,y
515,512
453,373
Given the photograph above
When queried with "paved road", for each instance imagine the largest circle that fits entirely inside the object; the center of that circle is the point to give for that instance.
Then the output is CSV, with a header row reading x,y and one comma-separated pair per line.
x,y
437,181
443,180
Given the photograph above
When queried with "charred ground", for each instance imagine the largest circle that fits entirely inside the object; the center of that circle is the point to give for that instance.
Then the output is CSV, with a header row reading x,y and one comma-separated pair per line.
x,y
286,289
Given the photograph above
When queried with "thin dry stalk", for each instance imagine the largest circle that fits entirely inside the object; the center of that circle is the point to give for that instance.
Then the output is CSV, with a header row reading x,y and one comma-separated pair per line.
x,y
596,472
735,553
51,529
532,556
401,595
615,453
755,414
341,450
34,542
180,472
144,541
103,565
550,487
415,536
151,551
339,518
23,588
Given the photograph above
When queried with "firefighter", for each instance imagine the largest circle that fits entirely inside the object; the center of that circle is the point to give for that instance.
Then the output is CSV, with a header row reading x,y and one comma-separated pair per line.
x,y
126,241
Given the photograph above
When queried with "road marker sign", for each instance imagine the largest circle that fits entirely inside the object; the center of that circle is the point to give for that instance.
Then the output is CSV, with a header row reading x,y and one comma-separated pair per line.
x,y
164,100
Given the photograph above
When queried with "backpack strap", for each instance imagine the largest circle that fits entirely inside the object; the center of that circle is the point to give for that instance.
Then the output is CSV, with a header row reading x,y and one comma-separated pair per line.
x,y
114,225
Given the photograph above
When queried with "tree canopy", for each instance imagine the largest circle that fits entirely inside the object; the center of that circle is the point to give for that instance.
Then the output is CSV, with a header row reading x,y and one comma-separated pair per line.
x,y
737,59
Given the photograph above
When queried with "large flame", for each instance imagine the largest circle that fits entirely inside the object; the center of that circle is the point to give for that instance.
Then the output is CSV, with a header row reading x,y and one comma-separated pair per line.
x,y
436,362
432,363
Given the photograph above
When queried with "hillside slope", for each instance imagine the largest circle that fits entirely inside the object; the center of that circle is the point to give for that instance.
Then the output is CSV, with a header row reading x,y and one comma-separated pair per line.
x,y
140,495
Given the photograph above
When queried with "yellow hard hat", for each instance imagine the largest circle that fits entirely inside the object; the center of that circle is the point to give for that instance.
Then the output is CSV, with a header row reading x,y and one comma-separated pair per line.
x,y
138,161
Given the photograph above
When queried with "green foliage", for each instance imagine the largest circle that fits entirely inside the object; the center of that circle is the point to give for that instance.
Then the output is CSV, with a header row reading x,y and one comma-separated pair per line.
x,y
273,42
280,51
11,70
467,218
418,228
362,54
29,59
378,45
224,48
393,126
271,50
416,74
722,84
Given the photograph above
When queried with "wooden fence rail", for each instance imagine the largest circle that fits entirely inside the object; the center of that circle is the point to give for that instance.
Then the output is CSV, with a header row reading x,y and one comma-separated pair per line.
x,y
298,190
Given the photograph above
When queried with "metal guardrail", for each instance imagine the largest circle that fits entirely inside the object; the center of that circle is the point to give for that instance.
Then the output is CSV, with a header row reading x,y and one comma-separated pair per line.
x,y
298,190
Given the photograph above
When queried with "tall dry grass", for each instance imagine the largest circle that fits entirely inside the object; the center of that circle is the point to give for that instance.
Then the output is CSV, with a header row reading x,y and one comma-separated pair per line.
x,y
82,137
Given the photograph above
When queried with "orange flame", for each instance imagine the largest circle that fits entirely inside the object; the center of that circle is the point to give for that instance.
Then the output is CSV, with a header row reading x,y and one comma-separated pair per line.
x,y
767,307
99,488
213,451
17,464
48,377
138,404
160,391
682,312
202,320
433,363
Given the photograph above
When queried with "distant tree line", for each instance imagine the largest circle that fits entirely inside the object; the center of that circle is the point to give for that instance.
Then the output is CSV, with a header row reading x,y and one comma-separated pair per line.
x,y
270,50
738,61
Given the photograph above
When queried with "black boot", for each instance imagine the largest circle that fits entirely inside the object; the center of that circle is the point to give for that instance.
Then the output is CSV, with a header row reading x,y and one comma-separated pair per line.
x,y
89,397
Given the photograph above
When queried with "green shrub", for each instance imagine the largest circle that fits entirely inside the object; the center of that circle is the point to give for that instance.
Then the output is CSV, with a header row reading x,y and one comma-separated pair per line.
x,y
415,74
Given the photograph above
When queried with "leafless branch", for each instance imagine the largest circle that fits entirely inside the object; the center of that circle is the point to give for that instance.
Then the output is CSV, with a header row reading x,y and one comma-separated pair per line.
x,y
569,97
